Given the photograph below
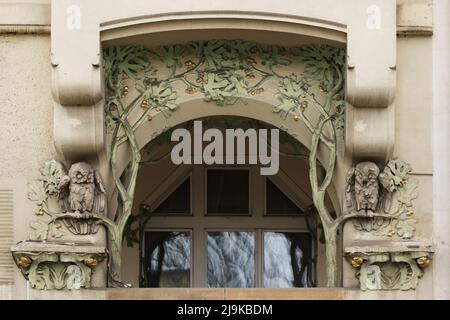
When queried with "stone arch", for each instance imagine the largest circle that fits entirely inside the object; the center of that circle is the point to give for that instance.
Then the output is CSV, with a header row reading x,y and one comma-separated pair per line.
x,y
283,86
255,109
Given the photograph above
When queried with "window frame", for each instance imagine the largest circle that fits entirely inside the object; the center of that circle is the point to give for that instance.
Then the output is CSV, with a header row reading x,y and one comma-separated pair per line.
x,y
168,192
148,230
284,189
227,167
199,223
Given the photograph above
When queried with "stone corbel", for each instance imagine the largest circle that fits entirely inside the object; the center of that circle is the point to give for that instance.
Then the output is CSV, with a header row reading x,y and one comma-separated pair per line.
x,y
371,82
57,266
77,80
384,265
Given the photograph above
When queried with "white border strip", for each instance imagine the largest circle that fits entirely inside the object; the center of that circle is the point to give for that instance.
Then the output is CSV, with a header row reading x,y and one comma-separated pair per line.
x,y
25,18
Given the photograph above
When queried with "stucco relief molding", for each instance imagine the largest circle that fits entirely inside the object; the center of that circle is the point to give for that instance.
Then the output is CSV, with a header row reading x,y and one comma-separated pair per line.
x,y
77,78
386,265
57,265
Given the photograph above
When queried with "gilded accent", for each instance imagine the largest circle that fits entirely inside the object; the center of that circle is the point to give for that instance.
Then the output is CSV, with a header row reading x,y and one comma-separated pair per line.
x,y
391,233
357,262
24,262
90,262
423,262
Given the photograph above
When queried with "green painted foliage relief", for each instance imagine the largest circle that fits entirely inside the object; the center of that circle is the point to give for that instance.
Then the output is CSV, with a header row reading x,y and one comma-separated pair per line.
x,y
225,72
293,79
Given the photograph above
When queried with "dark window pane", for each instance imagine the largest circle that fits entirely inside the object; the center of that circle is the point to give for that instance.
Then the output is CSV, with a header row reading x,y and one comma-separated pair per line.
x,y
287,260
231,259
178,201
227,191
167,260
278,202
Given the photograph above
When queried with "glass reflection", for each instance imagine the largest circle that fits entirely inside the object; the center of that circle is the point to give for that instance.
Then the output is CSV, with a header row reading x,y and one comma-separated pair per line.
x,y
167,259
287,260
231,259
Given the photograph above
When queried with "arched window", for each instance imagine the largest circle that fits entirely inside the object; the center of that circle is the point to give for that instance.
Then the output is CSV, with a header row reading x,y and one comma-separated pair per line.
x,y
224,226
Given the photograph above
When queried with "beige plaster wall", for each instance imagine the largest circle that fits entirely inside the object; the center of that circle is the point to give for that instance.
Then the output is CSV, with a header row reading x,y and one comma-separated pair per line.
x,y
26,105
413,121
26,112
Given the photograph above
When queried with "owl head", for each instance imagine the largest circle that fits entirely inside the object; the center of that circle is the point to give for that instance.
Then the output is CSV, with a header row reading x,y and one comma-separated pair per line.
x,y
81,173
366,174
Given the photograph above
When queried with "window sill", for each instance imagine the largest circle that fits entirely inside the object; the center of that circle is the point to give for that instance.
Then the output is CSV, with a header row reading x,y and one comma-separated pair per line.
x,y
226,294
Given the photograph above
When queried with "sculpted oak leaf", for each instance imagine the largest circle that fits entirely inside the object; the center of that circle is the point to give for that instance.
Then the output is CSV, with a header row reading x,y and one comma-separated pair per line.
x,y
40,230
52,172
212,54
405,228
408,193
274,56
395,175
159,94
36,192
285,106
224,89
172,55
121,62
291,90
56,232
321,63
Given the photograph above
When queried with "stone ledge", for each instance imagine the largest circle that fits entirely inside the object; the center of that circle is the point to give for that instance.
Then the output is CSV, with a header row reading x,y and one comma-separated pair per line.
x,y
414,18
226,294
25,18
386,246
57,247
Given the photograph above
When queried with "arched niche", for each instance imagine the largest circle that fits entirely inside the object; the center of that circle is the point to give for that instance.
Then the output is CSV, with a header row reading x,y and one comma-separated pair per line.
x,y
255,109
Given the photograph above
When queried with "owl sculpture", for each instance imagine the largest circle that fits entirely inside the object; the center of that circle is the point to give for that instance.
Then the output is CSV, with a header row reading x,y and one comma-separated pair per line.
x,y
82,194
362,192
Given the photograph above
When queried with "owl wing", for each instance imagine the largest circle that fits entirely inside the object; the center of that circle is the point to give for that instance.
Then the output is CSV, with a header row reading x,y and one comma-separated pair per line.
x,y
100,194
63,196
350,187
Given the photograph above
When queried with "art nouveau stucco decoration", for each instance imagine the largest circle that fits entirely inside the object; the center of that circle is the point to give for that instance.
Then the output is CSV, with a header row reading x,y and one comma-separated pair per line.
x,y
385,199
386,202
143,83
82,195
385,265
79,27
57,266
77,198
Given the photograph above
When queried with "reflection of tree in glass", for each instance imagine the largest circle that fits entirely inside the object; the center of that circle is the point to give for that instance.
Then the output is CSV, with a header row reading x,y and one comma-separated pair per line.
x,y
287,260
231,259
167,260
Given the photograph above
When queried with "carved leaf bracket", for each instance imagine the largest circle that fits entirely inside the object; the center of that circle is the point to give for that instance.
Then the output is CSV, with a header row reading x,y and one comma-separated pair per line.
x,y
57,266
384,265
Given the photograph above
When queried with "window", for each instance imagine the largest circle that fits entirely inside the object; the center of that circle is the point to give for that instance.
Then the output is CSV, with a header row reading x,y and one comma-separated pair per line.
x,y
231,259
286,259
245,231
178,202
227,191
168,259
278,202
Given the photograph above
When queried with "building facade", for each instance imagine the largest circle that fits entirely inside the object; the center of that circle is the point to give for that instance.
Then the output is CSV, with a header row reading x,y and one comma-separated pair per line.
x,y
96,95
